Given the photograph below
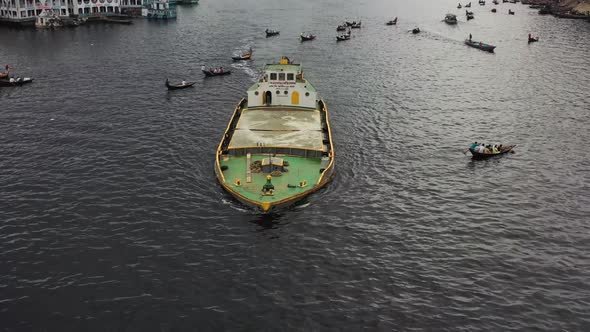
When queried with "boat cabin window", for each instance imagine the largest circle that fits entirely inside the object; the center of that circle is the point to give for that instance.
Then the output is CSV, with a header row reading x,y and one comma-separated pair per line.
x,y
290,77
273,76
281,76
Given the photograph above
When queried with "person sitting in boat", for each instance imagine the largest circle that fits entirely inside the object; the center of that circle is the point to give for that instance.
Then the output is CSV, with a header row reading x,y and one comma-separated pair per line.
x,y
183,82
495,149
203,68
480,148
212,71
220,70
473,146
486,149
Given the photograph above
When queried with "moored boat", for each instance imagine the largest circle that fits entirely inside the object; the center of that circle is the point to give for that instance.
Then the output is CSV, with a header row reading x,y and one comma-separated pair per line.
x,y
416,30
482,155
468,5
270,33
533,39
459,6
277,148
451,19
494,10
160,10
480,45
182,85
342,27
482,2
510,12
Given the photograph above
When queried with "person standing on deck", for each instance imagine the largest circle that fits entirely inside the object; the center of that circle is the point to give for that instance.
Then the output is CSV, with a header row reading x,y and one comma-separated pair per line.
x,y
470,37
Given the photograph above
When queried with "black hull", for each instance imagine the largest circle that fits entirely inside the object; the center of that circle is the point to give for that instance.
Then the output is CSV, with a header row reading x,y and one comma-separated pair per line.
x,y
179,86
483,47
307,38
270,34
7,83
239,58
210,74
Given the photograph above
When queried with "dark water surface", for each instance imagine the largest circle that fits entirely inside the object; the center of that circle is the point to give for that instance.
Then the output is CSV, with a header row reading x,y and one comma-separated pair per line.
x,y
111,218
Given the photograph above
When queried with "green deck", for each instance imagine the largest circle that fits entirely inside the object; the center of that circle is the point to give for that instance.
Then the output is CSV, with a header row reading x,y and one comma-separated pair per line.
x,y
299,169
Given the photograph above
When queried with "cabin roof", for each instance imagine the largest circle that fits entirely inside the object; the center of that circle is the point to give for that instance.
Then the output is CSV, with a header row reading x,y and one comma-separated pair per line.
x,y
279,67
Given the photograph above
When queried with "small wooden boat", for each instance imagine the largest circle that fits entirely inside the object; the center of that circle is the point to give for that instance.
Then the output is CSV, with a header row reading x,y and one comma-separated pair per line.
x,y
510,12
494,10
482,2
270,33
504,1
356,25
211,72
350,23
533,39
470,16
242,57
392,22
459,6
451,19
246,56
416,30
15,81
480,45
504,150
468,12
306,37
468,5
182,85
495,2
343,37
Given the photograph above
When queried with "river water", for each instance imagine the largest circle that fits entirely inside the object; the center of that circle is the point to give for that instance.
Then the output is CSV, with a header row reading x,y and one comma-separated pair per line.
x,y
111,218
